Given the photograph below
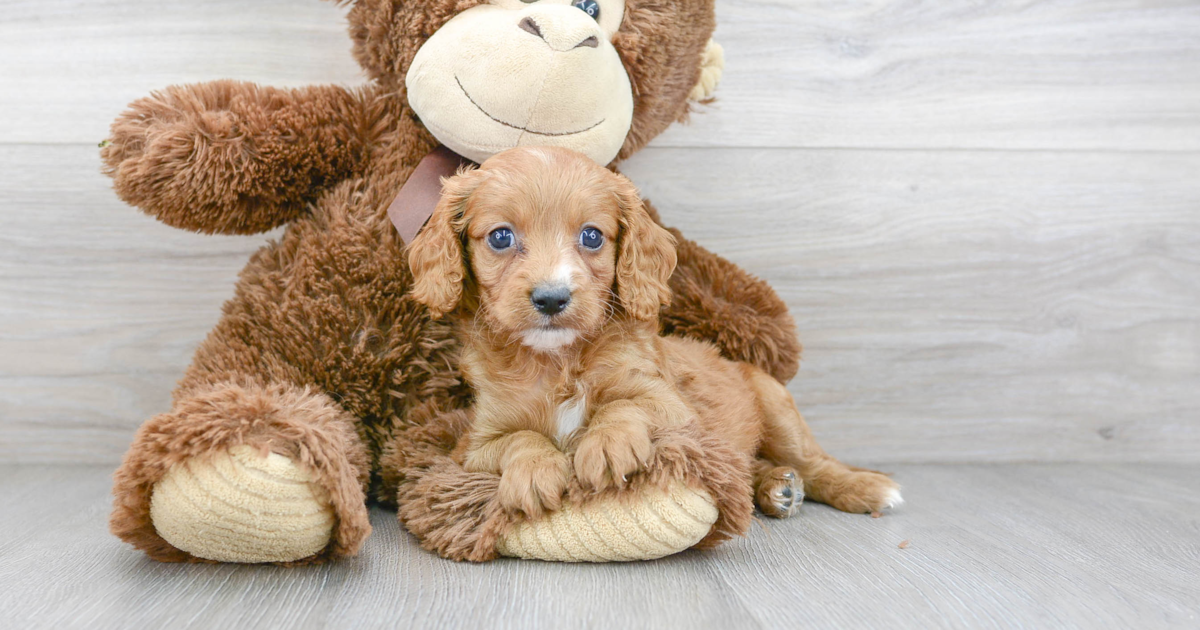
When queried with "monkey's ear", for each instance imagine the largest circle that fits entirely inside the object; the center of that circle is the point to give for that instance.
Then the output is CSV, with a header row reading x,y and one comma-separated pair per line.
x,y
645,257
435,256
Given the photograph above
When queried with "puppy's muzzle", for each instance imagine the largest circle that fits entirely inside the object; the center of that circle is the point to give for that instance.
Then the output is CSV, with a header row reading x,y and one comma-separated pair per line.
x,y
550,299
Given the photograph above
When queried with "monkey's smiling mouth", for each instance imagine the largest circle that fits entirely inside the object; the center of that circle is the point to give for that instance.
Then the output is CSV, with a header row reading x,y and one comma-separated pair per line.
x,y
512,126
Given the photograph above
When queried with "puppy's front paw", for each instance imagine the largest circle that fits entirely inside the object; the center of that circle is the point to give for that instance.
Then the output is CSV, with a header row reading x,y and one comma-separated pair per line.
x,y
608,454
534,484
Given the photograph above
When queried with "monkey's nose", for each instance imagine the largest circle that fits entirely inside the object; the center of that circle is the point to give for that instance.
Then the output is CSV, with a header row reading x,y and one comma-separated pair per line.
x,y
550,299
560,37
530,25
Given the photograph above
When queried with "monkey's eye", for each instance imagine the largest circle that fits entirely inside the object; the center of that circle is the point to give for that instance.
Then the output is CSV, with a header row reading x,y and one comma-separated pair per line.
x,y
501,239
590,7
591,238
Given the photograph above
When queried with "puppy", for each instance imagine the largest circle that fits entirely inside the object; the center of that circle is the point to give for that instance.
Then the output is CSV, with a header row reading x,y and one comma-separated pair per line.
x,y
555,274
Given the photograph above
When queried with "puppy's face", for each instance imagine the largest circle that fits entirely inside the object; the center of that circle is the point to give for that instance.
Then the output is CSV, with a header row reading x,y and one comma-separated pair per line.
x,y
554,244
541,238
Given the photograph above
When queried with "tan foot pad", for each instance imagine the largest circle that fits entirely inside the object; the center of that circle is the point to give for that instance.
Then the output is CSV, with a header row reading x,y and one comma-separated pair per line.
x,y
242,507
660,524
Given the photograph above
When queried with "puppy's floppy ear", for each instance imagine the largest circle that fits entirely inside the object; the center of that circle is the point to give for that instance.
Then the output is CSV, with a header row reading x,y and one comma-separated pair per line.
x,y
645,258
435,256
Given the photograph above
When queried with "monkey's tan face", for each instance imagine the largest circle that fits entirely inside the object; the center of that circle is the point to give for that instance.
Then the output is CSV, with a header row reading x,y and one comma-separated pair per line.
x,y
514,73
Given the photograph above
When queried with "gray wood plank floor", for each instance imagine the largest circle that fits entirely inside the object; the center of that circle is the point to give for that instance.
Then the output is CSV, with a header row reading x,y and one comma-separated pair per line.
x,y
989,546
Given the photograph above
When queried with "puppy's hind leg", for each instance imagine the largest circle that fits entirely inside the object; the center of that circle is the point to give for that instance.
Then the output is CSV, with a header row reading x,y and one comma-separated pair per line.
x,y
787,441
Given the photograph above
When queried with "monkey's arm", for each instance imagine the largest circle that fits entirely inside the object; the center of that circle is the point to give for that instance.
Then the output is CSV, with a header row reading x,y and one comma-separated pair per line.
x,y
717,301
233,157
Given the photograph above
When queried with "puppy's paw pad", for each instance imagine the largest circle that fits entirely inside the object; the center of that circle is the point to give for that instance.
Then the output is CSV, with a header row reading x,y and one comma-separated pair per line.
x,y
780,493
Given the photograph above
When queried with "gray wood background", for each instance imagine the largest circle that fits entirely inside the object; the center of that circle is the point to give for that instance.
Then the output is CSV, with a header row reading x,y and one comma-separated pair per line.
x,y
984,215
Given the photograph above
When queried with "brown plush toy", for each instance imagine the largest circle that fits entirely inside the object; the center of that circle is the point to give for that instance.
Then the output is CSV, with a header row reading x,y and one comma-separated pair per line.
x,y
324,385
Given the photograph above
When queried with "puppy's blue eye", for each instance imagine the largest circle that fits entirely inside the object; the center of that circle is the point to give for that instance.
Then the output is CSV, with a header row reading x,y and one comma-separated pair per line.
x,y
501,239
591,238
590,7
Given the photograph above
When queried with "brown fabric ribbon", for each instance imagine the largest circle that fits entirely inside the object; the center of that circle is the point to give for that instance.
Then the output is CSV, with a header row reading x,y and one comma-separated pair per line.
x,y
418,197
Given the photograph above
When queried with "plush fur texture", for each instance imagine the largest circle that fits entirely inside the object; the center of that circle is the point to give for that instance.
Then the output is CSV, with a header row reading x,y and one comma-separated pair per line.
x,y
208,157
295,422
458,515
320,354
628,382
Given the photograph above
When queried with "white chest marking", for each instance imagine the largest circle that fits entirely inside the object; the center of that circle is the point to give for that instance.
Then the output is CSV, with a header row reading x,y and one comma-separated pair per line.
x,y
567,418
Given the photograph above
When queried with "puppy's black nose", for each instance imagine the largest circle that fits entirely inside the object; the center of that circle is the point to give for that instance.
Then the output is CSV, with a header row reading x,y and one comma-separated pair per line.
x,y
551,299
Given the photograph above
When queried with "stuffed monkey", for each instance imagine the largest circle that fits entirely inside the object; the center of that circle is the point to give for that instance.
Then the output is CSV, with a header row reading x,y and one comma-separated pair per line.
x,y
323,386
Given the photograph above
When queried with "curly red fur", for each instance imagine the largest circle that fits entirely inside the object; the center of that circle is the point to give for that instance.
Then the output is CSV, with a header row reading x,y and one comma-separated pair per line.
x,y
629,385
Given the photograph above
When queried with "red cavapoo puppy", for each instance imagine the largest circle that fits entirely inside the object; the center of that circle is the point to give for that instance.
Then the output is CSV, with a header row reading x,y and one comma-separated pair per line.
x,y
556,274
